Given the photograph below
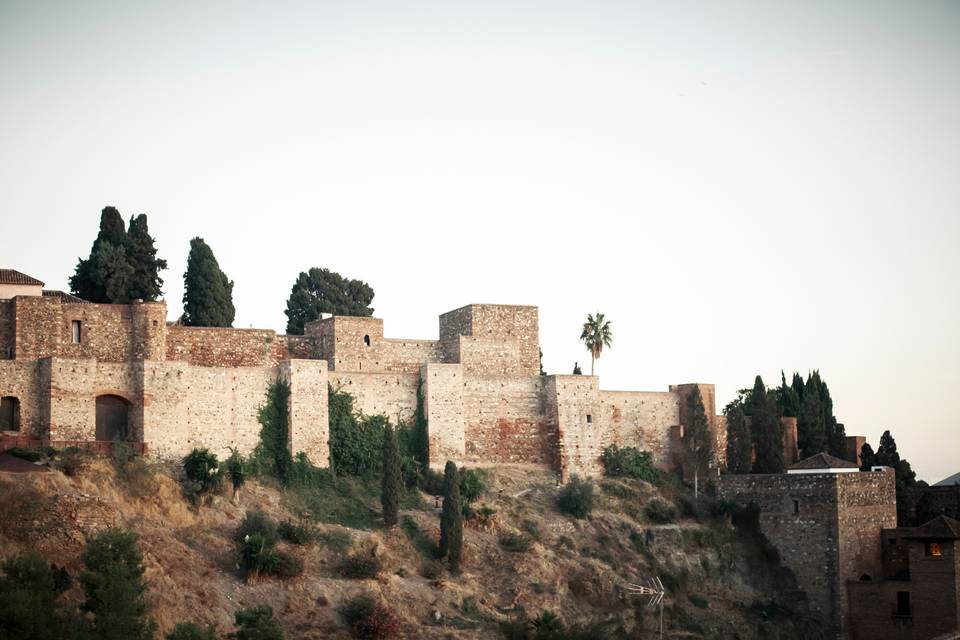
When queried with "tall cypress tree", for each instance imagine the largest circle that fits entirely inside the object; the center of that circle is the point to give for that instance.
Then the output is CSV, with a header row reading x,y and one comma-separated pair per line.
x,y
697,438
207,292
451,518
86,282
739,442
392,479
122,266
788,401
146,283
867,457
811,436
767,430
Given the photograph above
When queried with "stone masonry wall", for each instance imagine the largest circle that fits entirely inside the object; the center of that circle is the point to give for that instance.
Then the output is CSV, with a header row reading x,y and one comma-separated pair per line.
x,y
221,347
22,380
7,329
641,419
358,345
492,339
506,420
309,422
443,386
826,527
866,503
75,383
806,539
109,333
391,394
215,407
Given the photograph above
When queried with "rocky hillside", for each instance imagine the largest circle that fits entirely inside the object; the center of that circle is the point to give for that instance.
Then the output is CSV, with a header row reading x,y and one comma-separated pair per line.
x,y
522,557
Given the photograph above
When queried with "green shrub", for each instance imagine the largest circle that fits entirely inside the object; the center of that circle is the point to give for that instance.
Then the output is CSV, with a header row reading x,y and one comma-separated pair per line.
x,y
360,566
256,522
202,474
370,619
576,498
516,542
356,440
698,601
236,469
472,484
259,558
337,540
770,609
30,455
256,623
296,533
431,482
191,631
629,462
659,511
531,529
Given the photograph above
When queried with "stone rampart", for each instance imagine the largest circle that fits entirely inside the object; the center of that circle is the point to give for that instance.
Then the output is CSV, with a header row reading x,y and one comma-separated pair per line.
x,y
391,394
443,386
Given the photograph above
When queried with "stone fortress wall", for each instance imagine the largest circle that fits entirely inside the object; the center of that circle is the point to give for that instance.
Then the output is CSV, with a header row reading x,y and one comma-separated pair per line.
x,y
186,387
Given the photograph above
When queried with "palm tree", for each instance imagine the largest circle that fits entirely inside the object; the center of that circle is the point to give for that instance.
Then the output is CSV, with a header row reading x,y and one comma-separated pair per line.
x,y
596,335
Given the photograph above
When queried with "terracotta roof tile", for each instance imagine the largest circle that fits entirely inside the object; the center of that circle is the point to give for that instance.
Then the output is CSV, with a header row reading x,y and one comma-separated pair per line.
x,y
64,296
12,276
823,461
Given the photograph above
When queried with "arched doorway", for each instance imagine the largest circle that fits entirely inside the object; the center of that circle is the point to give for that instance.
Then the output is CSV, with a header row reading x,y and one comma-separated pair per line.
x,y
112,418
9,413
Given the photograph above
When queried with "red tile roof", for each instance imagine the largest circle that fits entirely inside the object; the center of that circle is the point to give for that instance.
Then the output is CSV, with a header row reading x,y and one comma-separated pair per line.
x,y
64,296
12,276
824,461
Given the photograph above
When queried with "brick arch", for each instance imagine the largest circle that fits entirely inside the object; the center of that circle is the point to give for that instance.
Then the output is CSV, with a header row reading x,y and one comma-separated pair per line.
x,y
113,391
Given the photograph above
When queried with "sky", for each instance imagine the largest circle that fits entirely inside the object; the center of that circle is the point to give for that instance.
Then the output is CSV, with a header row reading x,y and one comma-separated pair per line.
x,y
741,187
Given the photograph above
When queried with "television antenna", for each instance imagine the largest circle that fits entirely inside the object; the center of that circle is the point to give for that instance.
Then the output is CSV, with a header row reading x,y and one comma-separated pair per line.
x,y
655,591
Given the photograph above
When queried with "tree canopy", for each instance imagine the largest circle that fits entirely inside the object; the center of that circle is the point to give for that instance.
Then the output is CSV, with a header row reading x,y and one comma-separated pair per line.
x,y
739,441
767,430
207,292
323,291
123,265
697,438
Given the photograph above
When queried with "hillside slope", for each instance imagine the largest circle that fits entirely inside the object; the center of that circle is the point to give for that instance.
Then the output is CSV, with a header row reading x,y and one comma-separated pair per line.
x,y
719,584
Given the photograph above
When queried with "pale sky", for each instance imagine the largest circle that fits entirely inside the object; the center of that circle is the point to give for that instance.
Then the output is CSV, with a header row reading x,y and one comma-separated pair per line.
x,y
740,186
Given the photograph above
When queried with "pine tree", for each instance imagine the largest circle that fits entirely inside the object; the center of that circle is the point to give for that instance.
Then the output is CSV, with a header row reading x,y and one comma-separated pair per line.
x,y
392,478
207,292
323,291
451,519
811,437
767,430
146,283
114,588
739,442
29,590
697,438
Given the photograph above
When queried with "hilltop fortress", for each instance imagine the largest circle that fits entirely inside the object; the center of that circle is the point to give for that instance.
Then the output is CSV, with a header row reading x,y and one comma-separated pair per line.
x,y
75,371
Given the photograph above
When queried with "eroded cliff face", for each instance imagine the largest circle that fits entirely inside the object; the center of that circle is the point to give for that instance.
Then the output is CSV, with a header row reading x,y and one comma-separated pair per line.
x,y
718,584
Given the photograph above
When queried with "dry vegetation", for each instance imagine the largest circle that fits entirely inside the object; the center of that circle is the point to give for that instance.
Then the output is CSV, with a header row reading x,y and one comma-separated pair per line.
x,y
521,556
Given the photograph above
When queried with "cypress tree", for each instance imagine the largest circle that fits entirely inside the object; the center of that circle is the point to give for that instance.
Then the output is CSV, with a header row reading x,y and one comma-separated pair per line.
x,y
146,282
798,386
86,282
451,519
787,399
767,430
811,436
421,431
867,457
207,292
392,478
697,438
739,442
114,588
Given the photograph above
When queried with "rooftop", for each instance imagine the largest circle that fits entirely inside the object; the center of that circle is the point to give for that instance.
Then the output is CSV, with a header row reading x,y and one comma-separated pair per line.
x,y
949,481
823,461
12,276
940,528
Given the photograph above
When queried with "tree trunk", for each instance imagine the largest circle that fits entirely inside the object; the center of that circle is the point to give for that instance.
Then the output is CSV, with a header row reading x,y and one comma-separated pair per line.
x,y
592,359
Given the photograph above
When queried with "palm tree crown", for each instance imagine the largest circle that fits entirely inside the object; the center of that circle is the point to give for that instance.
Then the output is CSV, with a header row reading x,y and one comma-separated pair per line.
x,y
595,335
